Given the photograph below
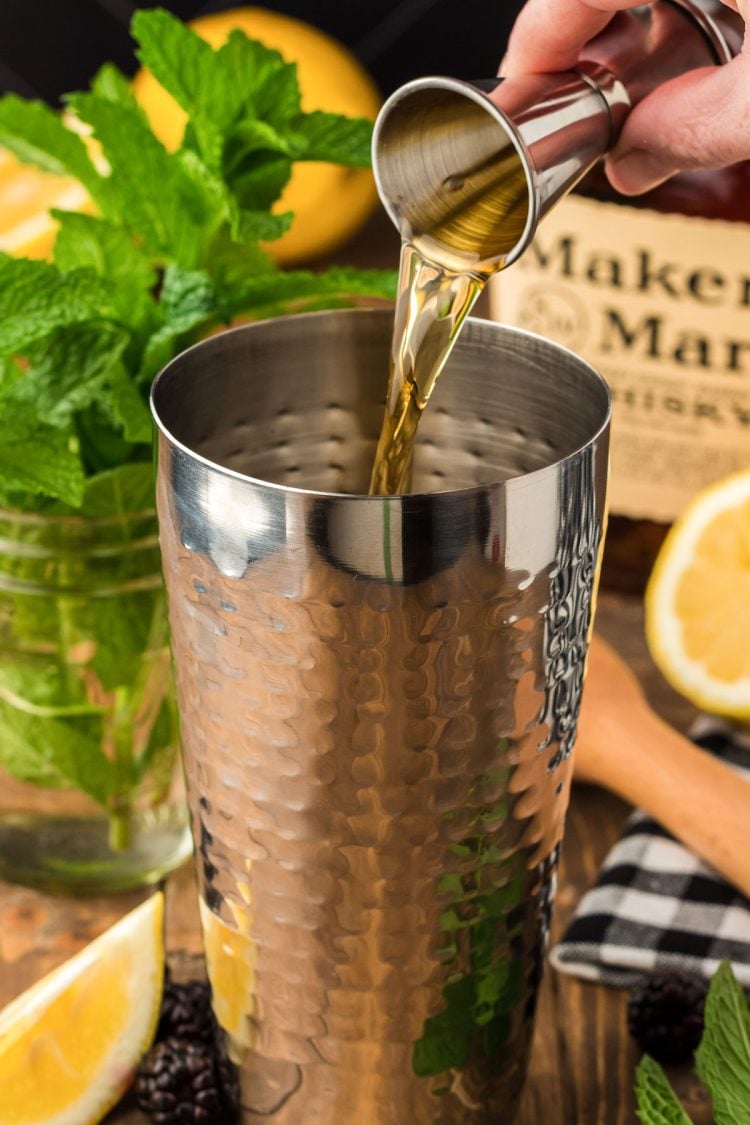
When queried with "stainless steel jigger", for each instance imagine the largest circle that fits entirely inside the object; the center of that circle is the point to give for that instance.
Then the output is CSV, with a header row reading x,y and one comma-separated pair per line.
x,y
466,170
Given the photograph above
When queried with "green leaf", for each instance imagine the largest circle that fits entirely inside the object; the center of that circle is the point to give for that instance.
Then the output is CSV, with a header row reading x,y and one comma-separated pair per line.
x,y
189,300
36,459
157,200
295,286
259,226
188,297
66,371
657,1102
183,63
256,181
723,1058
265,85
84,241
37,135
111,84
126,489
331,137
35,299
121,401
216,86
49,748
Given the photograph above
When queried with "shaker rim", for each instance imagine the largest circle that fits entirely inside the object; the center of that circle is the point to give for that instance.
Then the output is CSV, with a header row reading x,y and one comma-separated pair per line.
x,y
479,324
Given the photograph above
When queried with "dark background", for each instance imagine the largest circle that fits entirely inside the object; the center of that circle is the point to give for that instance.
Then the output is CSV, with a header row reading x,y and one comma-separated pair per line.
x,y
48,47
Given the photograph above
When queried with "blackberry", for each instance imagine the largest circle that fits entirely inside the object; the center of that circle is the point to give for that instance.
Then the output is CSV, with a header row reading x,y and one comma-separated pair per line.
x,y
186,1012
178,1084
665,1016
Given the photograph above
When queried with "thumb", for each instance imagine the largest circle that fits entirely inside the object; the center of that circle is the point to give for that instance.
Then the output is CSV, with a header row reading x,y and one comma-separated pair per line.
x,y
699,120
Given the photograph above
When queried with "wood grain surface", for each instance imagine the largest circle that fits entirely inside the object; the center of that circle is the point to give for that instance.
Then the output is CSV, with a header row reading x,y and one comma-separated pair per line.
x,y
582,1061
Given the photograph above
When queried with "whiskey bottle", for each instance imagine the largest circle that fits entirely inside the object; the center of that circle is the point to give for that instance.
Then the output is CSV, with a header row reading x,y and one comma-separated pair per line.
x,y
655,292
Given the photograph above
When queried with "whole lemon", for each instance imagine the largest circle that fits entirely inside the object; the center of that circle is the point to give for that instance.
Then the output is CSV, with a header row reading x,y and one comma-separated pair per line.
x,y
329,202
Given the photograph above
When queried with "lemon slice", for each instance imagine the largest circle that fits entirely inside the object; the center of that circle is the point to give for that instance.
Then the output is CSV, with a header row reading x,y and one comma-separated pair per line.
x,y
698,600
69,1045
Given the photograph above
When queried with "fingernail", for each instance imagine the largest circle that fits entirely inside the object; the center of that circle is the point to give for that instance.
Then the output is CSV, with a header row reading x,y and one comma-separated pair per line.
x,y
636,171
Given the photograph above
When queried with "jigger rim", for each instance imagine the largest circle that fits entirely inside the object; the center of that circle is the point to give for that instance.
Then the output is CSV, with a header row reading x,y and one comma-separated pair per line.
x,y
471,325
475,93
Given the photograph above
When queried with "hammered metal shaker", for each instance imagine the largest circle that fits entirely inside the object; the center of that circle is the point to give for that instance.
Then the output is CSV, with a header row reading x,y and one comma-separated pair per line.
x,y
466,170
378,699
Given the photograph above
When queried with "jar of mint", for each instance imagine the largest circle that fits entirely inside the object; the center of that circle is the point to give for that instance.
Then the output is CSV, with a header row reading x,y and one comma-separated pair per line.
x,y
91,795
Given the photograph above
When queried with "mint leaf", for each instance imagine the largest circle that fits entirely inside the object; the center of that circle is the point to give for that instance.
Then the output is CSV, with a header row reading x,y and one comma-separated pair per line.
x,y
258,226
256,180
121,401
46,746
85,242
657,1102
215,87
294,288
174,215
111,84
189,300
266,85
66,371
183,63
109,250
331,137
723,1058
36,298
128,488
36,458
37,135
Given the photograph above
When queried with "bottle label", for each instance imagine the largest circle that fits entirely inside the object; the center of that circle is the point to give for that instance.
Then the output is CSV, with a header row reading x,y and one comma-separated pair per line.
x,y
660,305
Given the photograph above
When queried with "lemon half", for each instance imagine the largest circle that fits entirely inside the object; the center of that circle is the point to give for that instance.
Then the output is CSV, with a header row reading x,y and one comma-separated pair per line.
x,y
698,600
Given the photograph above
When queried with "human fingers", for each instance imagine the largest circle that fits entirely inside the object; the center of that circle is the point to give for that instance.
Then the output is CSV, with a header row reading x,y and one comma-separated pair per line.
x,y
699,120
549,34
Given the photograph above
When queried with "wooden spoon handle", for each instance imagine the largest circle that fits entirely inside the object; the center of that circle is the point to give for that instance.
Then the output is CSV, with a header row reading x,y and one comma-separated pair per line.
x,y
624,746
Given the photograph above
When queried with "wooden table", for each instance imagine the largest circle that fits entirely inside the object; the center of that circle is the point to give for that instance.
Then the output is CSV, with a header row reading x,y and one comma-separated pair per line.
x,y
582,1060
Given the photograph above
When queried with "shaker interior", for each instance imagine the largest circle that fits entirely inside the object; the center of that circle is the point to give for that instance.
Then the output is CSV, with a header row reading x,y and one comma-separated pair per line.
x,y
303,408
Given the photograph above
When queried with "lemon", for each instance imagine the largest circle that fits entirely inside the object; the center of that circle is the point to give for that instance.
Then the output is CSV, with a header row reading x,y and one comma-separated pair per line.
x,y
329,202
26,196
698,600
70,1044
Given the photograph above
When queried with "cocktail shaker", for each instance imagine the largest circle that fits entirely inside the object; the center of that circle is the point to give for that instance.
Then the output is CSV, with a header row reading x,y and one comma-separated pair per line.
x,y
378,699
466,170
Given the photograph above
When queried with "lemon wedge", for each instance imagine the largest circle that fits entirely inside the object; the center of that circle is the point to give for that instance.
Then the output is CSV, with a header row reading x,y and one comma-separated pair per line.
x,y
698,600
70,1044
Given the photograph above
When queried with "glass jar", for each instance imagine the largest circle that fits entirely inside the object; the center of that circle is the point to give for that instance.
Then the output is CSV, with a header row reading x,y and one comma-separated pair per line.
x,y
91,796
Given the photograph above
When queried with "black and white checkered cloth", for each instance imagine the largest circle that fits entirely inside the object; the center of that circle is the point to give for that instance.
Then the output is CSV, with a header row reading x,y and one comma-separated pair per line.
x,y
656,907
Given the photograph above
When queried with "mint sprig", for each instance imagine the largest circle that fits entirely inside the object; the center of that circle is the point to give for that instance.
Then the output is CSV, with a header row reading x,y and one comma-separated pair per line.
x,y
722,1059
172,251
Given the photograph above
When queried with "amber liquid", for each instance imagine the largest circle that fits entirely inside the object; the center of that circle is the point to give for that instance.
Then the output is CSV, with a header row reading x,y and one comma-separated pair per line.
x,y
461,236
431,306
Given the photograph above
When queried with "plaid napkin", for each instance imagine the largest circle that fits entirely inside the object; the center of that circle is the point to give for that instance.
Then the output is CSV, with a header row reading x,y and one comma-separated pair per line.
x,y
656,907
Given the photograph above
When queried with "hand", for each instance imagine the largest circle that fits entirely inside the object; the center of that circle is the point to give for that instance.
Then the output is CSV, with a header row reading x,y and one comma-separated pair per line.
x,y
699,120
